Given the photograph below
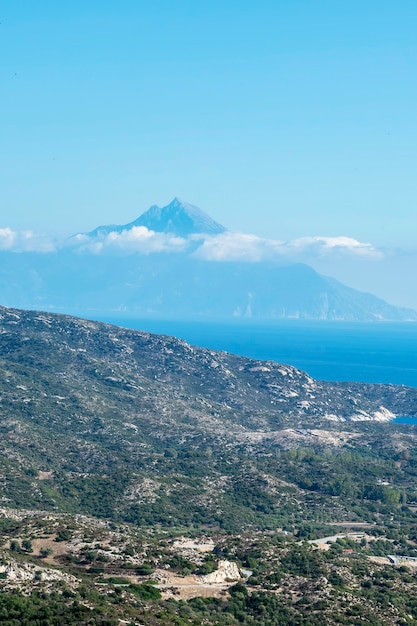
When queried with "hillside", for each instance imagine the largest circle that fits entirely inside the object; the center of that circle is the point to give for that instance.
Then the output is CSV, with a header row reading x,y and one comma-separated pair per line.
x,y
126,455
97,366
85,398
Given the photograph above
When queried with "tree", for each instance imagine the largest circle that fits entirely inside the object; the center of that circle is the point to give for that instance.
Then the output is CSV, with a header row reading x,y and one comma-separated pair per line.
x,y
44,552
27,545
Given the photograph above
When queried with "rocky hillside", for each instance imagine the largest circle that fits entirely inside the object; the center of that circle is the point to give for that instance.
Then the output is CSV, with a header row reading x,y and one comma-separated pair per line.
x,y
76,369
245,489
141,427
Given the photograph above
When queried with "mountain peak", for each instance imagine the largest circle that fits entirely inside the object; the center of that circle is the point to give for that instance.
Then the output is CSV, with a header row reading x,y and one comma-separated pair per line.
x,y
179,218
178,202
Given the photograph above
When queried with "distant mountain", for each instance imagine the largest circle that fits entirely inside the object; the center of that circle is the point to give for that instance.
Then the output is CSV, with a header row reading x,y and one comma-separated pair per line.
x,y
179,286
178,218
162,274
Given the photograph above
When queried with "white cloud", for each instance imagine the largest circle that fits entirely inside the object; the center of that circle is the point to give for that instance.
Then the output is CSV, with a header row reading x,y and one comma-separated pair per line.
x,y
25,241
7,238
136,239
227,246
232,246
341,246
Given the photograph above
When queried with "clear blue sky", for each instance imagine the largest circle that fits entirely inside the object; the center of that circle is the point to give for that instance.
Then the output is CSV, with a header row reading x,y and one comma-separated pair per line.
x,y
284,118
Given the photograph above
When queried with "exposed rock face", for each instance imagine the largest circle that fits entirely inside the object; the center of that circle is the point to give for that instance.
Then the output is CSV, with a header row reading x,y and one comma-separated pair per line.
x,y
226,572
15,573
382,415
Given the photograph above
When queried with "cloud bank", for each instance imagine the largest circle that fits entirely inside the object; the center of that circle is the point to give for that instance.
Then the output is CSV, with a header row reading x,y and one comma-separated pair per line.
x,y
232,246
225,247
341,246
137,239
25,241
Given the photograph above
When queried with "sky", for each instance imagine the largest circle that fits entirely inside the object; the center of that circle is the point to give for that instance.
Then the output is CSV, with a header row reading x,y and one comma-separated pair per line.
x,y
286,120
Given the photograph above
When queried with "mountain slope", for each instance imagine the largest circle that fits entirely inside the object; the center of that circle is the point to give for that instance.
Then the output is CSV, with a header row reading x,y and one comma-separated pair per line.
x,y
178,218
181,286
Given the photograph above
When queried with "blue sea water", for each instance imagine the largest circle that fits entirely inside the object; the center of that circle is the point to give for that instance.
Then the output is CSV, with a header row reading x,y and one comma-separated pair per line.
x,y
405,419
336,351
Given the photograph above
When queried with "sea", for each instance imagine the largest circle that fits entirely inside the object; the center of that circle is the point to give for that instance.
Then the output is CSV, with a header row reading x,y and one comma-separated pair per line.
x,y
379,352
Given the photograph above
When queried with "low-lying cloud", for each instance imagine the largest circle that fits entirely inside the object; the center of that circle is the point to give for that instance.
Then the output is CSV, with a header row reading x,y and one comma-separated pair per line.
x,y
25,241
232,246
137,239
342,246
224,247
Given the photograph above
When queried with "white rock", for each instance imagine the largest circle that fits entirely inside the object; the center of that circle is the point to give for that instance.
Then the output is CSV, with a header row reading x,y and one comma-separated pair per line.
x,y
226,572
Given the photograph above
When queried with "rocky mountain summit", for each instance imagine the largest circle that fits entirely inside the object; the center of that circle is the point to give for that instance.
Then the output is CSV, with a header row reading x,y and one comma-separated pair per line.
x,y
178,217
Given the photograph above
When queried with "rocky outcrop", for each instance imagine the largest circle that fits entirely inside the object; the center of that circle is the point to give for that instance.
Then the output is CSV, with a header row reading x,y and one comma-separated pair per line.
x,y
226,572
13,573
